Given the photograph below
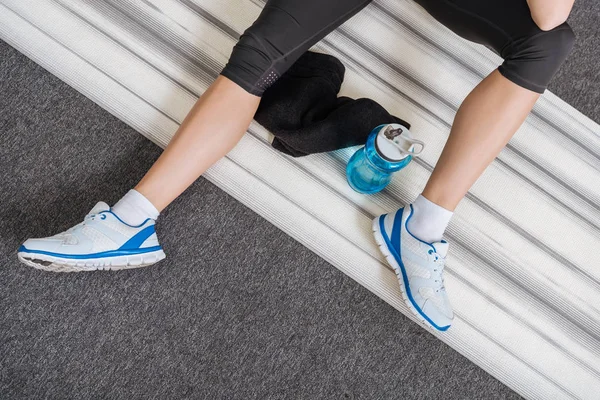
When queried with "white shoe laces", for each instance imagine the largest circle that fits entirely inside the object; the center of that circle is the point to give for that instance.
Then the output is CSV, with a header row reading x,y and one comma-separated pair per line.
x,y
92,217
438,270
87,218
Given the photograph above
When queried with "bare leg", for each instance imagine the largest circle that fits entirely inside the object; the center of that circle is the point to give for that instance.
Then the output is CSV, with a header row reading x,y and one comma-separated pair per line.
x,y
212,128
485,122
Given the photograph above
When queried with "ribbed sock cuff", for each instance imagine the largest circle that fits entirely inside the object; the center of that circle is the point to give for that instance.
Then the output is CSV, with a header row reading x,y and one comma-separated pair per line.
x,y
429,220
134,208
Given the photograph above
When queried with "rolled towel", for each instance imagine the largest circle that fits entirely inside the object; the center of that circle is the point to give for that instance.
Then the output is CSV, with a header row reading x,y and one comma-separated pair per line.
x,y
306,116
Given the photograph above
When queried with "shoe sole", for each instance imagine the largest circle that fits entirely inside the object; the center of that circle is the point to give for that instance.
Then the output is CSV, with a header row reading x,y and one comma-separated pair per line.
x,y
56,264
399,273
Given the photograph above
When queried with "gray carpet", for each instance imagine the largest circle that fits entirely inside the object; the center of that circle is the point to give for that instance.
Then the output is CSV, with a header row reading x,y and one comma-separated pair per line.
x,y
578,81
238,309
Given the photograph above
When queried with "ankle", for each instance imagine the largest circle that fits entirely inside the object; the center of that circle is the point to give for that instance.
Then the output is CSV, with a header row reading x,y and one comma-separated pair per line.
x,y
134,209
429,220
441,199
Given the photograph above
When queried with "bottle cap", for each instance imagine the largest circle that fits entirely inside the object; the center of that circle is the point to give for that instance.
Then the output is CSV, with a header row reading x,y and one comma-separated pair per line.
x,y
394,142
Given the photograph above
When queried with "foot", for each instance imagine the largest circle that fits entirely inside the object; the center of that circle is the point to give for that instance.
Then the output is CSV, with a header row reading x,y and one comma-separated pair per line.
x,y
419,266
101,242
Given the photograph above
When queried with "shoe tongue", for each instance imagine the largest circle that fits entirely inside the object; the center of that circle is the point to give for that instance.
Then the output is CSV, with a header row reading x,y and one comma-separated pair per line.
x,y
101,206
441,248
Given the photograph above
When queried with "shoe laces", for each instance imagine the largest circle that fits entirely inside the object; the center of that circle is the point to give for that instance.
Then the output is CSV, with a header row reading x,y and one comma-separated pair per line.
x,y
88,218
92,217
437,270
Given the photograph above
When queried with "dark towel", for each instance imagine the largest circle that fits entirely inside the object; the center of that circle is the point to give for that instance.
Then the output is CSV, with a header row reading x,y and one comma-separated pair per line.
x,y
304,113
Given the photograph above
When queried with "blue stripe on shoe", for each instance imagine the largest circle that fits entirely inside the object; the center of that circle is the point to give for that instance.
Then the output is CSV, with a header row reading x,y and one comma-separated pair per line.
x,y
396,253
412,211
123,222
397,228
136,241
104,254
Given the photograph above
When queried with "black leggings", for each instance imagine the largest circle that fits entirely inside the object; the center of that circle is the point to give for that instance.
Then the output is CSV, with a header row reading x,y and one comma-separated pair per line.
x,y
285,29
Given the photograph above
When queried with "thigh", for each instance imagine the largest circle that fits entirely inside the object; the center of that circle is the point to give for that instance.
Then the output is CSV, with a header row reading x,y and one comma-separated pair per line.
x,y
293,26
531,56
494,23
284,30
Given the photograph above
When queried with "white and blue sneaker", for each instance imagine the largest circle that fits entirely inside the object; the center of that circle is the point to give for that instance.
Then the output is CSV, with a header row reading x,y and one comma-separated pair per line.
x,y
101,242
419,267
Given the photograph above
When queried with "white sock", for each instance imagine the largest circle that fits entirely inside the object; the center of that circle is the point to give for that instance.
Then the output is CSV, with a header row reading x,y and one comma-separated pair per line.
x,y
429,221
134,208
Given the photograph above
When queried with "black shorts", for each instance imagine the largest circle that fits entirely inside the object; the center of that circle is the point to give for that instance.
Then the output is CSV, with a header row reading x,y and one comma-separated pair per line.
x,y
285,29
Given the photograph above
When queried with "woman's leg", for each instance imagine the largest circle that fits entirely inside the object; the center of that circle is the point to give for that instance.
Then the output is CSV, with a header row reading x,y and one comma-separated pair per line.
x,y
212,128
282,33
494,110
411,238
487,119
123,236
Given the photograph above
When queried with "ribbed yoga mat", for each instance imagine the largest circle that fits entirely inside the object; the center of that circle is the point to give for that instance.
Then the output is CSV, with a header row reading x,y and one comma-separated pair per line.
x,y
524,268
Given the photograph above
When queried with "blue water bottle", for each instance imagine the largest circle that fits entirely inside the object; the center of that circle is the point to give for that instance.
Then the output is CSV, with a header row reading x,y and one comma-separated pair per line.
x,y
389,148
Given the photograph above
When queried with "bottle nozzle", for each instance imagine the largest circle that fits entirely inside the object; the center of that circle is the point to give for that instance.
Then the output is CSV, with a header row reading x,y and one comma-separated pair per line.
x,y
405,144
391,132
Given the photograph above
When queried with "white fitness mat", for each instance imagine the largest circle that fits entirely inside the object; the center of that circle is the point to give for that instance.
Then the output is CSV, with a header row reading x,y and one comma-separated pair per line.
x,y
524,268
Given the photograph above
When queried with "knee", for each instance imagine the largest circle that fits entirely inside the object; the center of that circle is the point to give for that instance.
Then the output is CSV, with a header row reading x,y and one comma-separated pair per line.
x,y
250,64
261,54
556,44
533,61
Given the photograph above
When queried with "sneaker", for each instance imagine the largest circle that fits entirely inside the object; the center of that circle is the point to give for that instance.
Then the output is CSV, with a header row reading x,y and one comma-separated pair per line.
x,y
419,266
101,242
